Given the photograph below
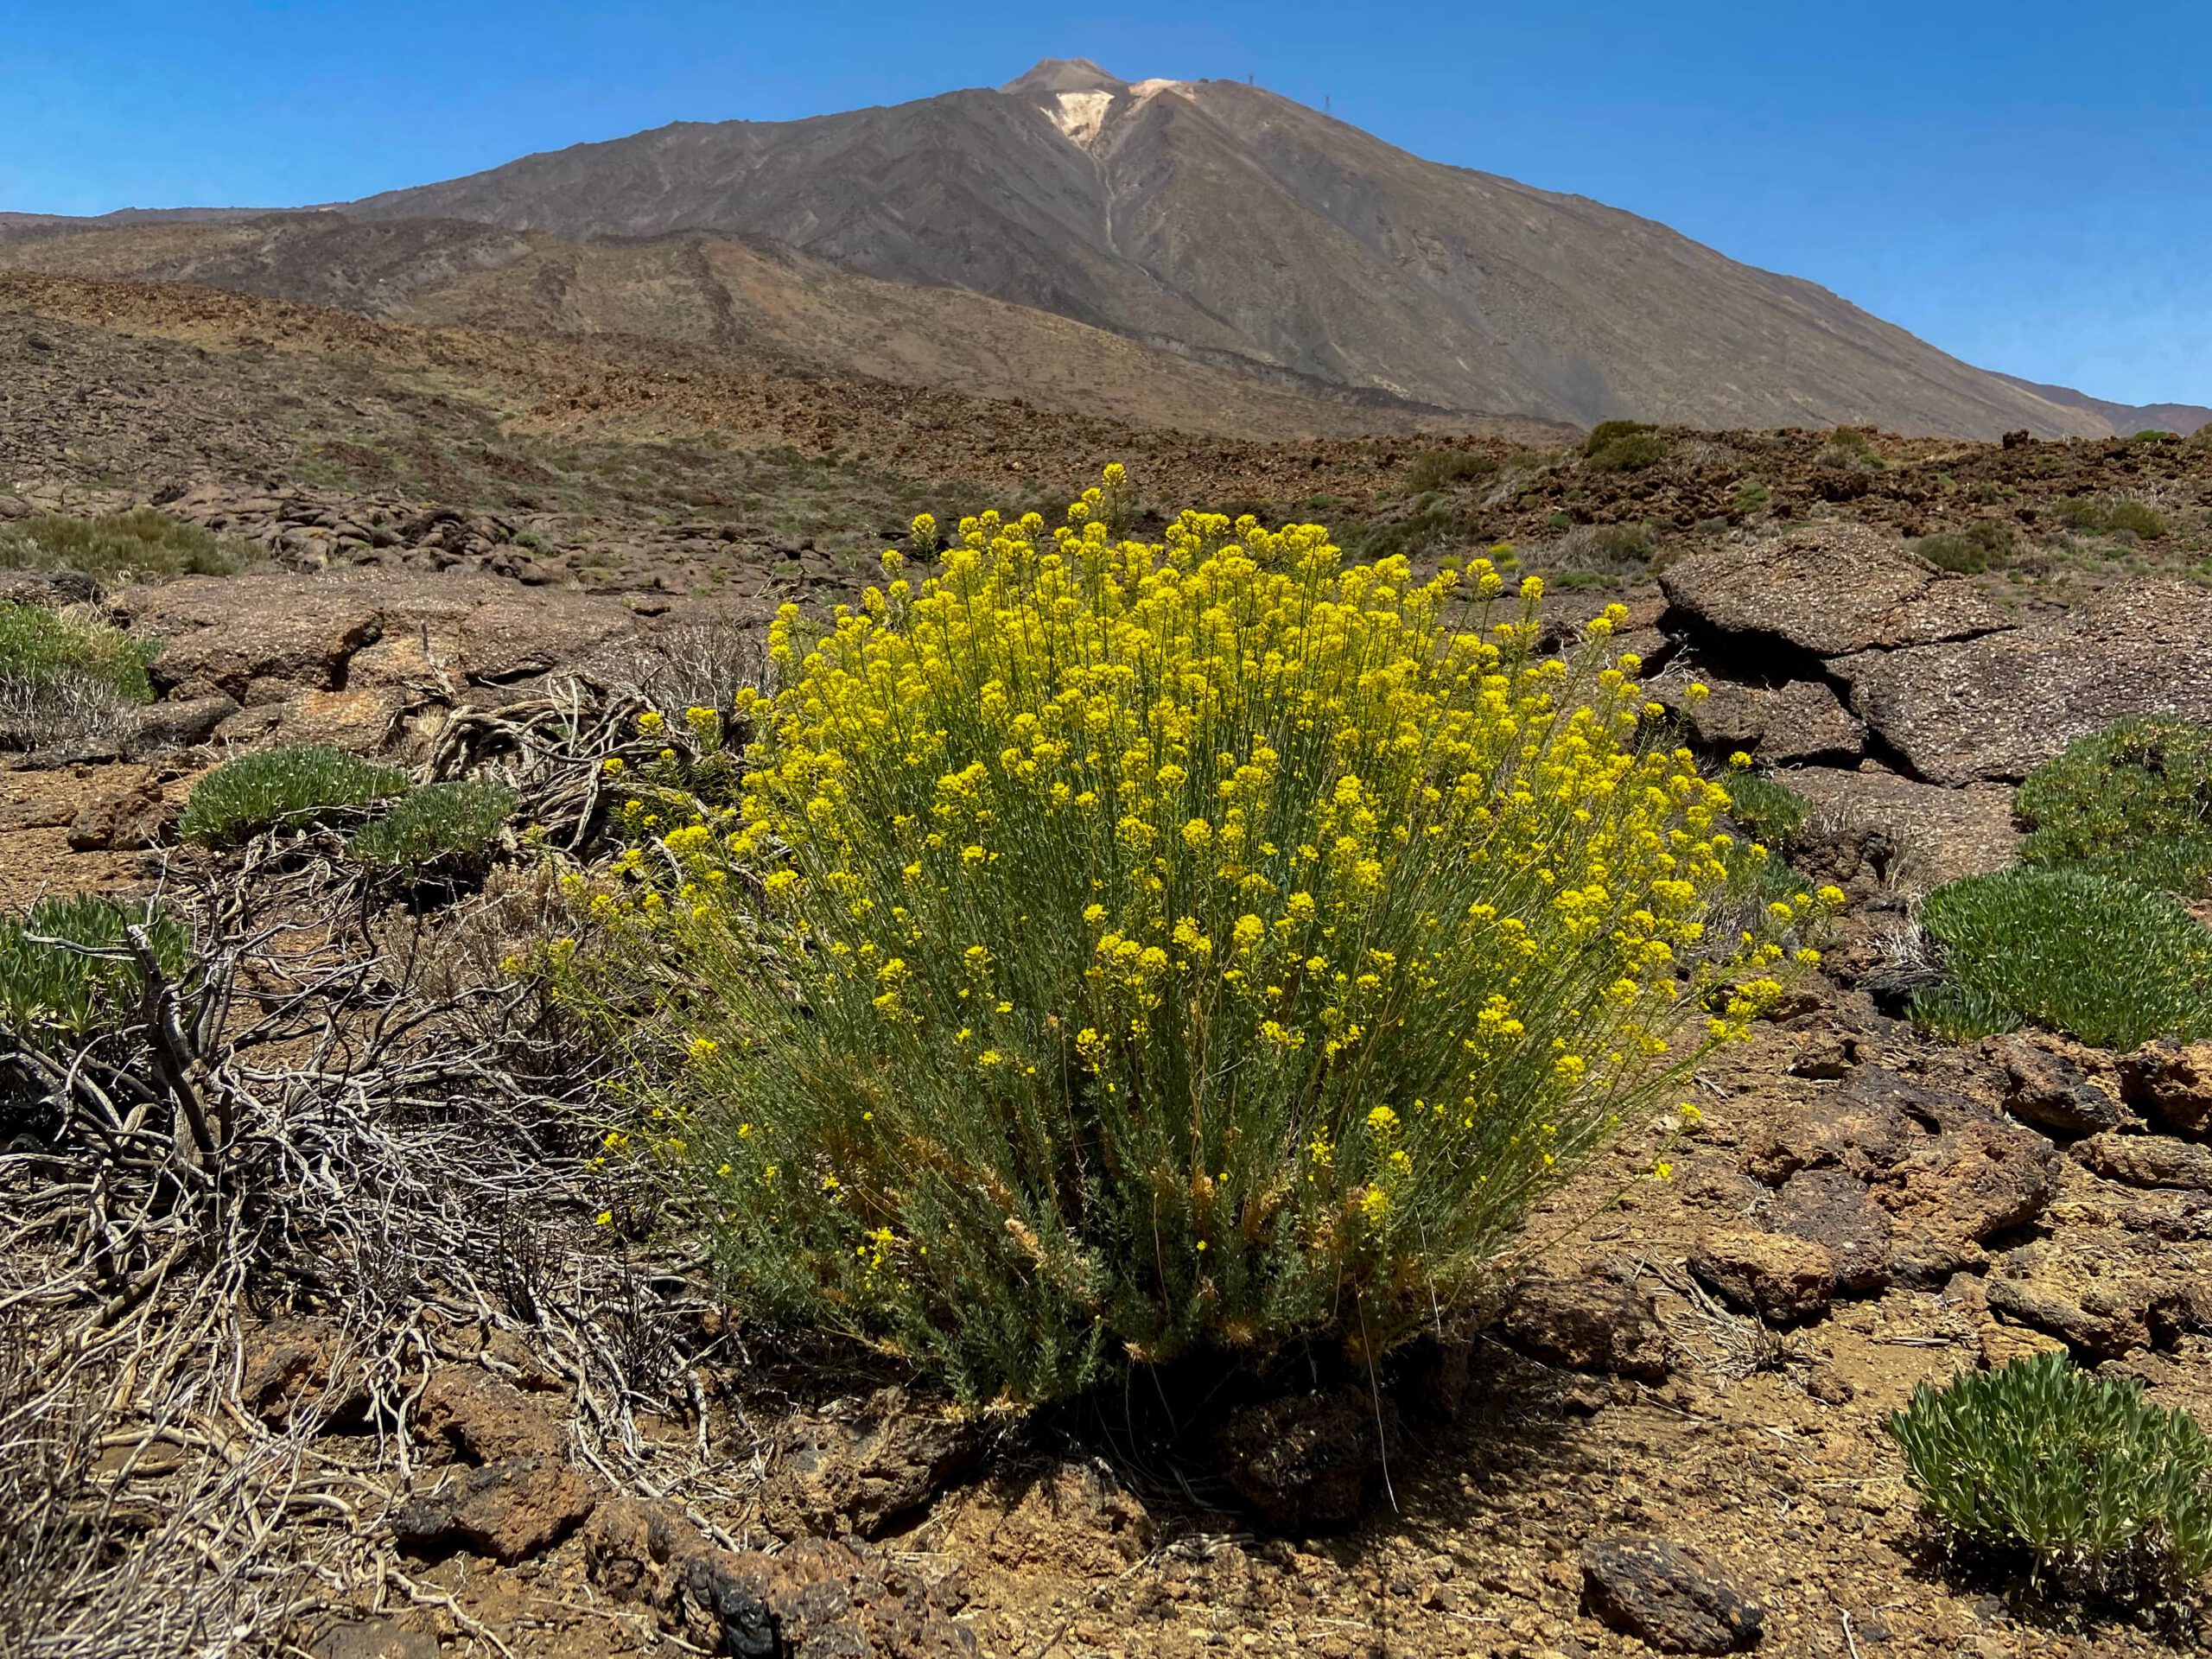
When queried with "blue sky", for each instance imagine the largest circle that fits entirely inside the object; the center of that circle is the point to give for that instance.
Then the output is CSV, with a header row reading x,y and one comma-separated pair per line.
x,y
2027,185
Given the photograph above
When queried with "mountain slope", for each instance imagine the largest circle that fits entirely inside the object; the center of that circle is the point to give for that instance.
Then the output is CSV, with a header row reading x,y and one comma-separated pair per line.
x,y
759,303
1225,223
2126,419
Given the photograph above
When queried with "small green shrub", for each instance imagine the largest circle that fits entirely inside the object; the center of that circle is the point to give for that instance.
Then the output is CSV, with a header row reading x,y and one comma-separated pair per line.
x,y
1851,449
1606,432
1434,468
1985,542
2080,1474
440,821
39,648
2117,517
291,787
50,993
1605,551
1629,451
2098,959
2133,801
2155,434
1412,536
1752,499
1769,810
142,545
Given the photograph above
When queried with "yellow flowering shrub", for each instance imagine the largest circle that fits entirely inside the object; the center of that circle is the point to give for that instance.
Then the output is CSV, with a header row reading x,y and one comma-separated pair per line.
x,y
1110,949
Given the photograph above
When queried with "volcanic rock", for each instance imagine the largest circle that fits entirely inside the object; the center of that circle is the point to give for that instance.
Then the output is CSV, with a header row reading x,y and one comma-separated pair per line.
x,y
1586,1323
1669,1596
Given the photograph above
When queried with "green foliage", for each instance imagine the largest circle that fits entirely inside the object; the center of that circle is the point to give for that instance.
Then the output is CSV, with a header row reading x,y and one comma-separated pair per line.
x,y
440,821
2118,516
291,787
1770,810
1851,449
2133,801
1433,469
39,648
141,546
1985,542
1118,951
50,993
2155,434
1628,452
1412,536
1591,554
2094,1485
1606,432
2068,950
1751,499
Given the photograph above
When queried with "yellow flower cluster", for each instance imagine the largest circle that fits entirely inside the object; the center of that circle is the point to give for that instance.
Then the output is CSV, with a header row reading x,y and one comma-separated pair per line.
x,y
1304,916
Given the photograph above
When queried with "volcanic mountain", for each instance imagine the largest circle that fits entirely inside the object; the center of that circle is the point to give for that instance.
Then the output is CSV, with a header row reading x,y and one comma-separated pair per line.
x,y
1239,244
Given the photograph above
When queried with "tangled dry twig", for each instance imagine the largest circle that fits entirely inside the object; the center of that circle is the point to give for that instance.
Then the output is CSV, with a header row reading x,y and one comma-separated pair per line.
x,y
346,1126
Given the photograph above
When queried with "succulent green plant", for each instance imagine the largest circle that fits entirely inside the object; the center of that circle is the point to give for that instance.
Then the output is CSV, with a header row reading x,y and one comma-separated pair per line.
x,y
40,648
2097,1488
1769,810
290,786
49,992
2069,950
2133,801
438,822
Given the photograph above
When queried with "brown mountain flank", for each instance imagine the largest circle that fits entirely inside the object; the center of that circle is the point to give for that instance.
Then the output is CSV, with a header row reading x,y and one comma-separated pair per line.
x,y
1236,225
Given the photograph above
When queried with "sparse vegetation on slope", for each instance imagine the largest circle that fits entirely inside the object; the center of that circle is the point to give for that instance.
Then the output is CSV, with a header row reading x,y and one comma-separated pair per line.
x,y
49,656
2118,516
1630,451
143,545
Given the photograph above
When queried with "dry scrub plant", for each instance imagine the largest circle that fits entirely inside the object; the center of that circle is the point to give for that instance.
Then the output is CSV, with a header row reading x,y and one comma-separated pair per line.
x,y
1109,950
307,1114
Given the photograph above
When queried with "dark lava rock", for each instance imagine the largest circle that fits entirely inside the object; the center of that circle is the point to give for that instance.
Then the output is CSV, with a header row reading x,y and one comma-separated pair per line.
x,y
1306,1462
475,1416
1667,1596
1585,1324
1831,1208
2103,1292
814,1601
864,1463
1946,1167
2147,1160
176,725
1825,590
509,1510
48,590
2050,1089
120,820
2171,1084
1780,1278
1998,706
